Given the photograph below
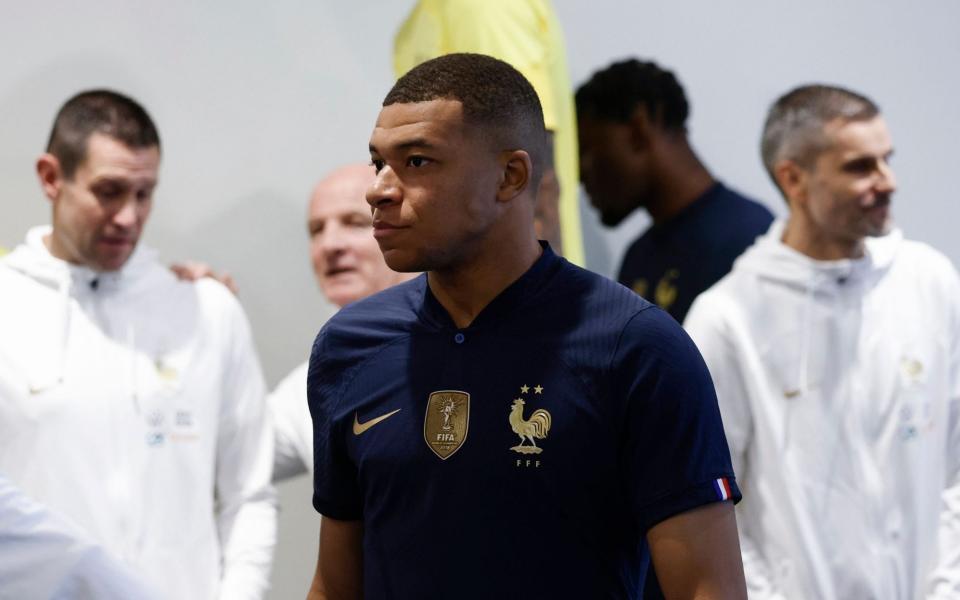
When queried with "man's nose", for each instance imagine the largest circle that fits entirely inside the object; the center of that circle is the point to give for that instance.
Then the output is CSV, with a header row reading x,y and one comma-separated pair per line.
x,y
887,182
127,214
385,189
332,239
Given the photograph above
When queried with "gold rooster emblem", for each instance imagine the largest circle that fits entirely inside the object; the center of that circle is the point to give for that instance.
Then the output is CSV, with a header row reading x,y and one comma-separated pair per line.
x,y
532,429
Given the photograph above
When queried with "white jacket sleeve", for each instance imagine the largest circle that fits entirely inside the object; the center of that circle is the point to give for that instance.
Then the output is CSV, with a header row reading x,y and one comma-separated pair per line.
x,y
945,578
706,324
293,429
43,555
246,500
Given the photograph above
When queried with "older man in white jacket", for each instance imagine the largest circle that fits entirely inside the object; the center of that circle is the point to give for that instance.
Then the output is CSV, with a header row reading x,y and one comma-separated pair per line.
x,y
834,345
131,403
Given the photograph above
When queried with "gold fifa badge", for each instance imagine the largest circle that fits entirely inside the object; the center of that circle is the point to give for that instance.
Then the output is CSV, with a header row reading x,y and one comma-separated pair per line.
x,y
446,422
535,428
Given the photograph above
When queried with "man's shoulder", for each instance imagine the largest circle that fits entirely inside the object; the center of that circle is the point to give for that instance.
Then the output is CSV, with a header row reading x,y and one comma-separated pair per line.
x,y
588,292
602,313
925,267
384,311
917,253
364,326
739,213
745,202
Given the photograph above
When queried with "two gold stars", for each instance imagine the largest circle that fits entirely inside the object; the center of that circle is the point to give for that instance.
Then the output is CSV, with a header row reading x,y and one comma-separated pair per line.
x,y
536,390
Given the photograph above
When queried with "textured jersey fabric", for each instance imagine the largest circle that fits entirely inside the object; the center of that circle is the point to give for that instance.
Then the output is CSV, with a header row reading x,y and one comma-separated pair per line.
x,y
523,456
527,35
673,262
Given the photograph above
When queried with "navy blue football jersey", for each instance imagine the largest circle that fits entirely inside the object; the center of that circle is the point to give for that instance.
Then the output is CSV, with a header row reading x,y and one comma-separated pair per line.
x,y
524,456
674,262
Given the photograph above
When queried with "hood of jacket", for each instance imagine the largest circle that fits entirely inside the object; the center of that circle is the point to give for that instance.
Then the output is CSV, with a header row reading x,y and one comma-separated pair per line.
x,y
33,259
772,260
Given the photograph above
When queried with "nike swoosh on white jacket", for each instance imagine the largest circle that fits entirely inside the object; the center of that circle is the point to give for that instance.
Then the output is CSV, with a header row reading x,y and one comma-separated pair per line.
x,y
133,404
839,386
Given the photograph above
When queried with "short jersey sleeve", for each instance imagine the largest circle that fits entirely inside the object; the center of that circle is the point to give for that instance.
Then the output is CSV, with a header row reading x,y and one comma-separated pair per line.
x,y
336,491
674,453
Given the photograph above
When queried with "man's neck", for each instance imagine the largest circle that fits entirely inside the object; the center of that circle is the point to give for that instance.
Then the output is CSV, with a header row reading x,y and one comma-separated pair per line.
x,y
465,290
818,245
681,180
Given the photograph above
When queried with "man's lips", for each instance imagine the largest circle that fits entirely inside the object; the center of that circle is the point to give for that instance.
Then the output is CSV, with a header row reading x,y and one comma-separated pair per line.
x,y
116,241
383,229
334,271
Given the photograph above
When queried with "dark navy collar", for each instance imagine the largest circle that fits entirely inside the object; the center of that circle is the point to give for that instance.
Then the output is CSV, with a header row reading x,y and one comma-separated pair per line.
x,y
506,302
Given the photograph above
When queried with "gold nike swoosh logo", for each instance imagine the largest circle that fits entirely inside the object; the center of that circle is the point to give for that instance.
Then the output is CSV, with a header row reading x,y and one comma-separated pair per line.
x,y
359,427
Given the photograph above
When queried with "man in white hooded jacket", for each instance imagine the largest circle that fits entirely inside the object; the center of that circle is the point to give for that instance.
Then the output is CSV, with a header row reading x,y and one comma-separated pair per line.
x,y
131,403
834,345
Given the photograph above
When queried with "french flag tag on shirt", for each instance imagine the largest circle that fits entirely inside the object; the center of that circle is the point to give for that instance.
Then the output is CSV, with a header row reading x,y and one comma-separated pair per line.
x,y
722,487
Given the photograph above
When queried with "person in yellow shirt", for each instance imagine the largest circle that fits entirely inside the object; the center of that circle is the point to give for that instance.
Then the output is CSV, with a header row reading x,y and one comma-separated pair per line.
x,y
526,34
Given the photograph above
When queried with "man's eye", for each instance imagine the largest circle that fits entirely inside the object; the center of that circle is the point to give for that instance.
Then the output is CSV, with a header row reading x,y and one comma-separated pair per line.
x,y
417,161
108,192
864,165
377,164
362,223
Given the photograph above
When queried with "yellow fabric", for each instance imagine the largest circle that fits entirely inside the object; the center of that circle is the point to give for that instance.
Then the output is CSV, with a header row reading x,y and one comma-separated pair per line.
x,y
526,34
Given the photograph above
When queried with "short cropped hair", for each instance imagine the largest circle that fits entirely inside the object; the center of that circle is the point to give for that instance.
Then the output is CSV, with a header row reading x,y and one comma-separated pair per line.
x,y
794,129
495,96
614,93
98,111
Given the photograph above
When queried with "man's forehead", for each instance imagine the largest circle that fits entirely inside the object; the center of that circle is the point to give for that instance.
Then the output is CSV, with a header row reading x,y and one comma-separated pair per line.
x,y
843,134
108,158
343,191
429,123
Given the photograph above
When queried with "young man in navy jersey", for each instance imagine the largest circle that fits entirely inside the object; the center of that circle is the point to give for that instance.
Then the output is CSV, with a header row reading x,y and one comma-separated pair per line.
x,y
506,425
634,153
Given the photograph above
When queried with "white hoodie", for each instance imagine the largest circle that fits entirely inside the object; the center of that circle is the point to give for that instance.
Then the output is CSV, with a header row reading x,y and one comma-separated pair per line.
x,y
839,386
133,404
43,555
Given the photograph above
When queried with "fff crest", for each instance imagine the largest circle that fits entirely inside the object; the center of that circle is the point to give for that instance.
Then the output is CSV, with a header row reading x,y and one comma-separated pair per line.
x,y
447,421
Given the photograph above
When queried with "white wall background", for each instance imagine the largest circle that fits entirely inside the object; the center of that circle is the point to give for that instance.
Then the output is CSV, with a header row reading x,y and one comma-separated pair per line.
x,y
256,100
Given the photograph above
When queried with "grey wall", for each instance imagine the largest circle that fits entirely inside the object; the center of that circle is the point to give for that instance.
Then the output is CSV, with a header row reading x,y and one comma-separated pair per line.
x,y
256,100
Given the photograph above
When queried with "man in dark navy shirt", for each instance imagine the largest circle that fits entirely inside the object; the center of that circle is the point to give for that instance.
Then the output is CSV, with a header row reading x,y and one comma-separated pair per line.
x,y
634,153
506,425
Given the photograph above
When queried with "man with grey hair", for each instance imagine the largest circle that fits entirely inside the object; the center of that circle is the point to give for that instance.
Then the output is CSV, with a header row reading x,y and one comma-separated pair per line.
x,y
834,345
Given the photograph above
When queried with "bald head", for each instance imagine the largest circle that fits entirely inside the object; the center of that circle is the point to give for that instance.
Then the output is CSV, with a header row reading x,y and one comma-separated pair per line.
x,y
346,258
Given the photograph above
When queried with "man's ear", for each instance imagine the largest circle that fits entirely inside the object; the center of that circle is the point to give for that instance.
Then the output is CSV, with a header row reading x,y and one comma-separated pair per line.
x,y
792,179
50,175
517,171
641,128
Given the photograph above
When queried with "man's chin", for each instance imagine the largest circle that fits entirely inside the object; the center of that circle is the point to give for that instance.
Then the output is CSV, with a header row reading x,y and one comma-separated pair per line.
x,y
611,218
344,294
879,229
110,264
403,262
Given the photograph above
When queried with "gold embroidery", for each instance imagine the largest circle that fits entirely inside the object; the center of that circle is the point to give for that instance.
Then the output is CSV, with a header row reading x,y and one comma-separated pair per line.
x,y
536,427
447,421
666,292
359,427
912,368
